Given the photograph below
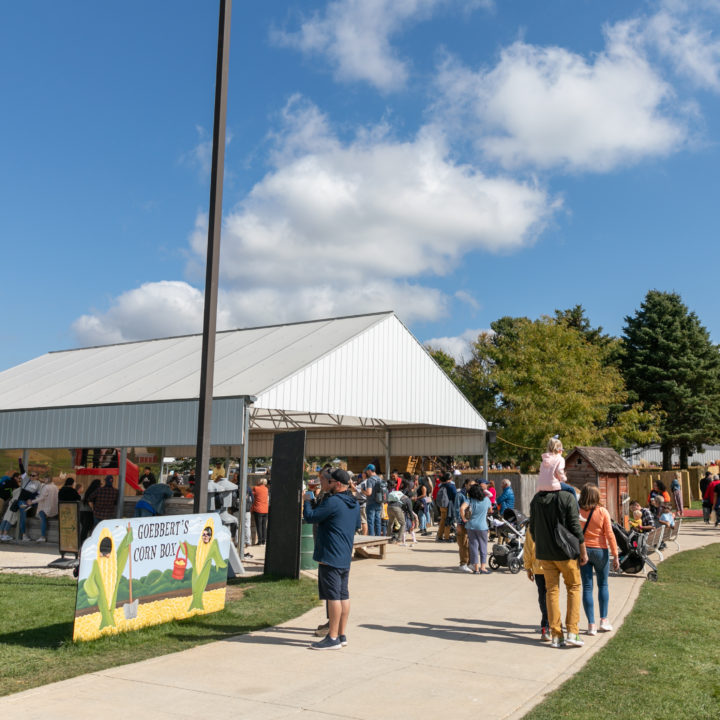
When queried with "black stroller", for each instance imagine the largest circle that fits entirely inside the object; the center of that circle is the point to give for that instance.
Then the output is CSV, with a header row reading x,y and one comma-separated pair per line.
x,y
633,553
510,531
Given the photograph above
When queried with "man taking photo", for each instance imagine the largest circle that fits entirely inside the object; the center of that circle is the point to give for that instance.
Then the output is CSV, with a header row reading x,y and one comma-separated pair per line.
x,y
336,518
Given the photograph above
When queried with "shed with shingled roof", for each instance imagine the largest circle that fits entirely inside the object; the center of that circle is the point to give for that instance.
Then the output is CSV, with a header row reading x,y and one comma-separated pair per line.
x,y
604,468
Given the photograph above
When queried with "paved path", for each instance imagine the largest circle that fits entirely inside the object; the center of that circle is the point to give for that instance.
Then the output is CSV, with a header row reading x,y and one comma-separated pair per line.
x,y
423,640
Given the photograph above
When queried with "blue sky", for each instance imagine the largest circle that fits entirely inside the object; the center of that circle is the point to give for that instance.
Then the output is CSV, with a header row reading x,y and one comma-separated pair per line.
x,y
453,160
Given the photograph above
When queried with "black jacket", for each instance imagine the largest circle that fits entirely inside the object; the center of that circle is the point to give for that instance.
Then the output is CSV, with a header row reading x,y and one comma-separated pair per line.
x,y
547,511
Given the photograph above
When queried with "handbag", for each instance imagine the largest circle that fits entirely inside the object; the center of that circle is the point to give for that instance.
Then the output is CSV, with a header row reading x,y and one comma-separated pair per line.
x,y
569,545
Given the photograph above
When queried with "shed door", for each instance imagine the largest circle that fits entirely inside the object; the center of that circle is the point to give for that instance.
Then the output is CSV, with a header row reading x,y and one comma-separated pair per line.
x,y
612,496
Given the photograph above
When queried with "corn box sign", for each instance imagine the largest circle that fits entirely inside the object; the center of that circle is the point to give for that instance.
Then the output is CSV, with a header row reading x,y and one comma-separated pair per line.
x,y
137,572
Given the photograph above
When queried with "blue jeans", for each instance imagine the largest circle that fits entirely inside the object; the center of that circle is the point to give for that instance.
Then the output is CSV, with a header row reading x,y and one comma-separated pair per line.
x,y
43,523
374,518
422,517
599,559
22,510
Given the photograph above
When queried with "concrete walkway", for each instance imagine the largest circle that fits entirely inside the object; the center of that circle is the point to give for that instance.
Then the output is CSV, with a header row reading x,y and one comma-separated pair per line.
x,y
424,640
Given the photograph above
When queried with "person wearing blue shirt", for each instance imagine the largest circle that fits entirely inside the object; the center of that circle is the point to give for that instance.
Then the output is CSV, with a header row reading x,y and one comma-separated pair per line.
x,y
337,516
507,497
476,525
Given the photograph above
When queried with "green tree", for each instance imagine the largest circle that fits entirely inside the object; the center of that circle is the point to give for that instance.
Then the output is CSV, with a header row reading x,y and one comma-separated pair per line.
x,y
668,361
533,379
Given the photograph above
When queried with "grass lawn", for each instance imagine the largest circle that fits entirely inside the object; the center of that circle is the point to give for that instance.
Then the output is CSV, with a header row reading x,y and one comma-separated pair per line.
x,y
663,662
39,649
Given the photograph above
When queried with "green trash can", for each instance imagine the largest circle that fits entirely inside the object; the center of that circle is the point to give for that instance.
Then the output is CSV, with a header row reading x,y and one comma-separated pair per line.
x,y
307,546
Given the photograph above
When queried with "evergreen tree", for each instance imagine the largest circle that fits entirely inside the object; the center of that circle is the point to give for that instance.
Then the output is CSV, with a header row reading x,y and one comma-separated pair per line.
x,y
669,363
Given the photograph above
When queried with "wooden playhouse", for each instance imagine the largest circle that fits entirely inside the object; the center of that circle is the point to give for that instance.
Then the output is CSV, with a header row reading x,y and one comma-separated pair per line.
x,y
605,468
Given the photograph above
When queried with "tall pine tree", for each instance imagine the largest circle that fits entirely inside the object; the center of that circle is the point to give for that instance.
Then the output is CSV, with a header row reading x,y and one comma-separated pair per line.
x,y
669,362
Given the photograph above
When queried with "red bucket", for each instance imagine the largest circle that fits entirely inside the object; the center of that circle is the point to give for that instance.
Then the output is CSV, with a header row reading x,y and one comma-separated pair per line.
x,y
180,563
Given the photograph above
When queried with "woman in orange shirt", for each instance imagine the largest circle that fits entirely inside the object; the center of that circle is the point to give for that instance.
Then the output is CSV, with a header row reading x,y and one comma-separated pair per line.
x,y
259,510
599,542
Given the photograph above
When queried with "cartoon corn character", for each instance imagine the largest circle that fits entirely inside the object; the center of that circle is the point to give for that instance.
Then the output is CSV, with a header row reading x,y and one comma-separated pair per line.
x,y
202,556
101,586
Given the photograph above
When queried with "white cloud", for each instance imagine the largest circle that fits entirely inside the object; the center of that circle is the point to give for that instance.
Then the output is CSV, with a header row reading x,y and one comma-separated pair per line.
x,y
547,107
680,31
355,36
459,346
160,309
468,299
341,228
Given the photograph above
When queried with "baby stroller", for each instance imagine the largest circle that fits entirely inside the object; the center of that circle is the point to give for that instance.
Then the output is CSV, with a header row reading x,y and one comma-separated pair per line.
x,y
633,555
510,531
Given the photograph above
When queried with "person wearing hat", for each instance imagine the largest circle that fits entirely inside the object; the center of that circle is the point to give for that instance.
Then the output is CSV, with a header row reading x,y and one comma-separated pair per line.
x,y
337,517
376,493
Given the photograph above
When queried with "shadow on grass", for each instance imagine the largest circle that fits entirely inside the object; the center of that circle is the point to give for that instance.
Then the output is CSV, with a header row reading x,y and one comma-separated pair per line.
x,y
48,636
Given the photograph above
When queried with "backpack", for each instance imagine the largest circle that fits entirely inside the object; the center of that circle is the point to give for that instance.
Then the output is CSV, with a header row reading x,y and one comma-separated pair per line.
x,y
442,499
395,496
380,492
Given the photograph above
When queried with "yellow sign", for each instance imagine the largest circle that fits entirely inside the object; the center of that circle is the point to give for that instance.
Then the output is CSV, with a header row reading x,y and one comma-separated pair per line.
x,y
146,571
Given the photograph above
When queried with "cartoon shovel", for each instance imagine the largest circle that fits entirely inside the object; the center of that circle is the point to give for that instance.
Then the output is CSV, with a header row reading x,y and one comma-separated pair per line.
x,y
130,608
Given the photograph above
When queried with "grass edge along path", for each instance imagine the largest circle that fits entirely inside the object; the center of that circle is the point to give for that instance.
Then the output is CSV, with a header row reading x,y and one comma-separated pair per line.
x,y
663,662
37,617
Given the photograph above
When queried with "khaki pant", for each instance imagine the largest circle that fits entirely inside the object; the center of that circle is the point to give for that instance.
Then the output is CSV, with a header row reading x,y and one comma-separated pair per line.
x,y
443,528
395,513
570,571
462,541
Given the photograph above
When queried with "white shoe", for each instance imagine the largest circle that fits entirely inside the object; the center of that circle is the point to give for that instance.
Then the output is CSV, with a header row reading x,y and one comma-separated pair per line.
x,y
465,568
592,630
573,639
4,538
41,539
605,626
26,538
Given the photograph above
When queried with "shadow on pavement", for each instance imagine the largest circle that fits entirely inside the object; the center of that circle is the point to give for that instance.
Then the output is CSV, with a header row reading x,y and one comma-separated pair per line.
x,y
457,633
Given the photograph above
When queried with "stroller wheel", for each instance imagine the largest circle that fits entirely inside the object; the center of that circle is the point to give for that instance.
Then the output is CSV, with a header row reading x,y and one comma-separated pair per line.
x,y
652,576
514,565
493,563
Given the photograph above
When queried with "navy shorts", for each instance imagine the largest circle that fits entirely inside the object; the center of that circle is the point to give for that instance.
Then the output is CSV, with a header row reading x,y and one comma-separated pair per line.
x,y
333,582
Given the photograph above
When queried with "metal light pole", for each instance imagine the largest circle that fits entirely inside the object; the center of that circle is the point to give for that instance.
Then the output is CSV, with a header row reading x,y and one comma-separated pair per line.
x,y
207,368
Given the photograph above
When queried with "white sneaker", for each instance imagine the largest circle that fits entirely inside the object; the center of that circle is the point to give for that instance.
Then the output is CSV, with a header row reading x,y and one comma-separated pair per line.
x,y
4,538
573,639
41,539
605,626
26,538
465,568
592,630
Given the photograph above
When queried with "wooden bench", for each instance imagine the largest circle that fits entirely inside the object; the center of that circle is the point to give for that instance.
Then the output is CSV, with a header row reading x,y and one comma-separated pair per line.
x,y
361,543
670,534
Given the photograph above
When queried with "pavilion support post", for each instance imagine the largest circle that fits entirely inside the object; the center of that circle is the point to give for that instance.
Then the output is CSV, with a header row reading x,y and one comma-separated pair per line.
x,y
122,473
486,456
388,455
25,461
162,465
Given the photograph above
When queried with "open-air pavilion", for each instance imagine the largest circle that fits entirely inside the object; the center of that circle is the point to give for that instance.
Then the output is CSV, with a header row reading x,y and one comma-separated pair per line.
x,y
359,386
